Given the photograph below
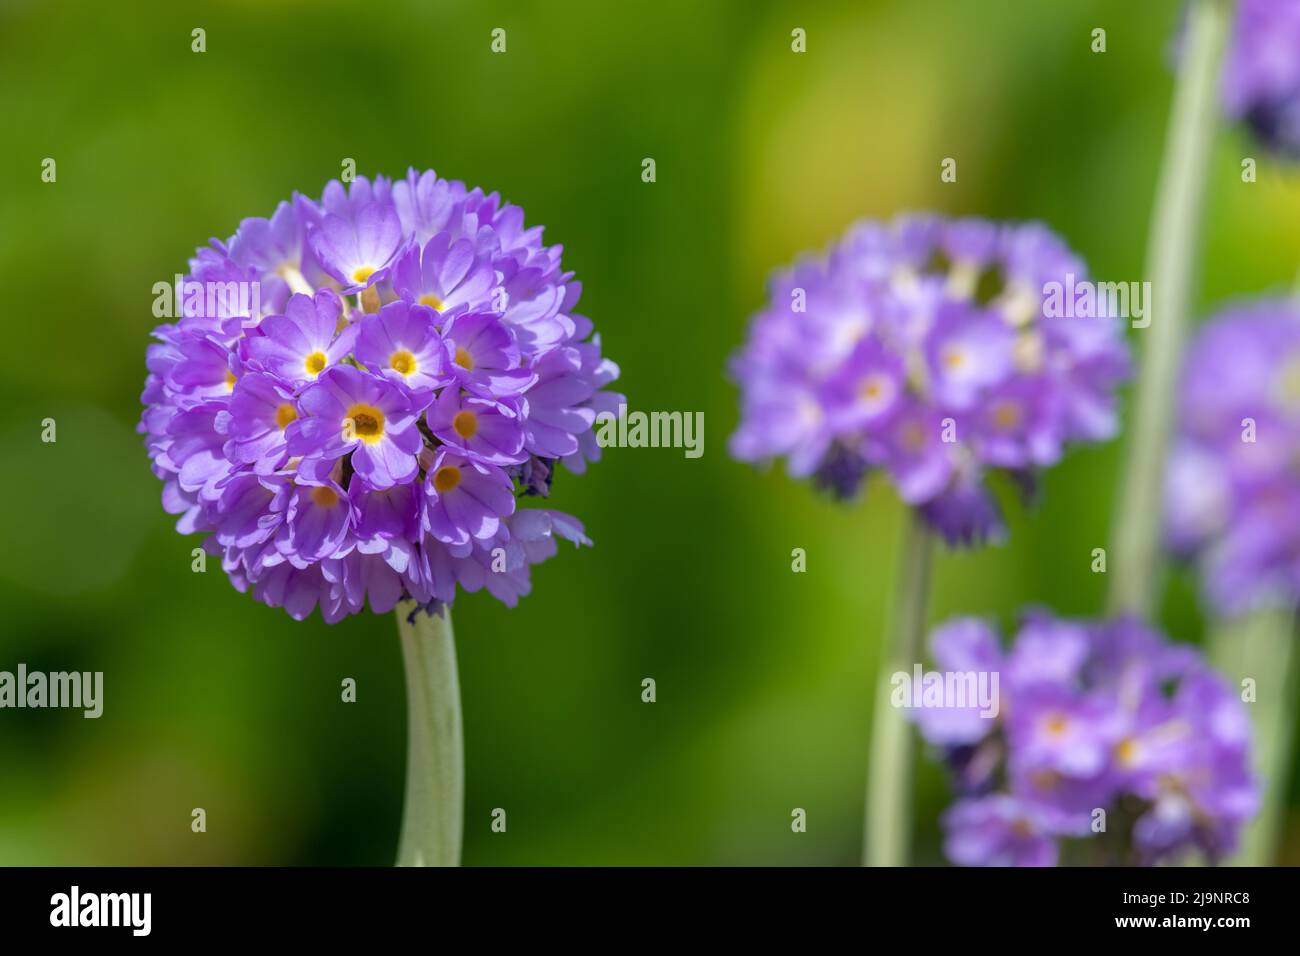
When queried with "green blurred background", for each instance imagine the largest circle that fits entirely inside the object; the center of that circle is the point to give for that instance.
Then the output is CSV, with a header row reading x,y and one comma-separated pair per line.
x,y
764,676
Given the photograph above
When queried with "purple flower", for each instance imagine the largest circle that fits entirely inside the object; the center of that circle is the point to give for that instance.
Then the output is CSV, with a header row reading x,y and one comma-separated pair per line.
x,y
868,386
427,204
464,498
491,431
999,830
965,513
402,343
1232,501
301,344
348,411
260,410
361,433
559,404
485,355
446,276
912,448
962,646
357,249
1057,729
967,352
270,247
925,348
1261,74
385,514
317,522
1093,716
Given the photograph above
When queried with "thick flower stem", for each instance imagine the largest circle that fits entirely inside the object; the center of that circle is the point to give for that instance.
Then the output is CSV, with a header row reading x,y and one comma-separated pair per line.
x,y
433,816
1171,251
1261,646
887,826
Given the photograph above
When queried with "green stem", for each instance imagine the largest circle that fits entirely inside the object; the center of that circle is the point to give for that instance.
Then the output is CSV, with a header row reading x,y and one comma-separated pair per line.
x,y
433,816
887,826
1170,266
1261,646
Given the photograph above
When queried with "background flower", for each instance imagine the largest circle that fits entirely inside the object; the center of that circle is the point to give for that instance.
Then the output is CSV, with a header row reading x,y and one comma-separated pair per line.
x,y
1261,73
1232,487
1093,716
926,347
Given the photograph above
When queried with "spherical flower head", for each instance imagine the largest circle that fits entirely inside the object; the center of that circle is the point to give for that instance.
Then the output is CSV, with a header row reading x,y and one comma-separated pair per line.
x,y
1232,484
361,428
1091,716
929,349
1261,72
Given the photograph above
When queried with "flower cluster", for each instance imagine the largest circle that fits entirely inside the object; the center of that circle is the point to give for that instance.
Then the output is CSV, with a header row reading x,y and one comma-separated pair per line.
x,y
935,350
1232,484
1091,716
408,364
1261,72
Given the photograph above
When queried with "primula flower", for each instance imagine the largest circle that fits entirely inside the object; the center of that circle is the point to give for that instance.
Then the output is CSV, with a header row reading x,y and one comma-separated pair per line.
x,y
1261,72
465,499
444,275
299,345
357,248
1232,489
489,430
924,349
403,344
361,430
485,355
999,830
1092,716
349,412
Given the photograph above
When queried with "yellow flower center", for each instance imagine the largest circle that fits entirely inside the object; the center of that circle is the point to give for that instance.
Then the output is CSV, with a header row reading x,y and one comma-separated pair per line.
x,y
1045,779
230,380
284,415
465,424
362,274
1126,752
872,388
954,359
1006,415
464,359
1057,725
315,363
403,362
365,423
432,301
446,478
324,497
912,435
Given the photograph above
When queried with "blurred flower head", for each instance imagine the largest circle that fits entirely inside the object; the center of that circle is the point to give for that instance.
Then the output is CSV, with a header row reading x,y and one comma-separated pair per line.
x,y
1094,718
1233,481
925,348
1261,73
361,426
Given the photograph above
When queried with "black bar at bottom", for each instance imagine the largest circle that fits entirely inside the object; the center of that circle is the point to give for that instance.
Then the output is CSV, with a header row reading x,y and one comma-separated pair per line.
x,y
566,905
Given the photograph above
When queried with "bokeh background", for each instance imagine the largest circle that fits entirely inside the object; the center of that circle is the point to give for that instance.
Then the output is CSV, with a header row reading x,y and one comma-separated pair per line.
x,y
764,676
